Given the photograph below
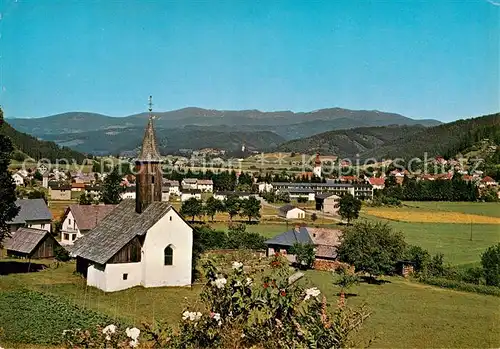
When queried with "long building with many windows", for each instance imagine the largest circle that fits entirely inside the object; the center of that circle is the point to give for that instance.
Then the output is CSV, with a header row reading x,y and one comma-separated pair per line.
x,y
358,190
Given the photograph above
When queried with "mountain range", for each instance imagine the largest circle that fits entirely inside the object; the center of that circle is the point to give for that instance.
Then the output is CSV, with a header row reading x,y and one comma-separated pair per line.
x,y
197,128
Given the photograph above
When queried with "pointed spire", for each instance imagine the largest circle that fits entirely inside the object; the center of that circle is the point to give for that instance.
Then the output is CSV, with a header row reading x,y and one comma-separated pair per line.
x,y
149,151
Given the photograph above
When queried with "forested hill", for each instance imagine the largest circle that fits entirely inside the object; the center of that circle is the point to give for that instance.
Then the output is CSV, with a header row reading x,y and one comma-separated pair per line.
x,y
446,140
389,142
348,143
28,146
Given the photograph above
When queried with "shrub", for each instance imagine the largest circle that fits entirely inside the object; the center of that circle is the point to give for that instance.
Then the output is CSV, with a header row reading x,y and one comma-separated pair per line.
x,y
61,254
419,256
305,254
460,285
490,260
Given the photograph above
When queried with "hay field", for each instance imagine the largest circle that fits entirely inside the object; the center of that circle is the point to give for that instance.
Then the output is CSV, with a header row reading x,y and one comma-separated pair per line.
x,y
427,216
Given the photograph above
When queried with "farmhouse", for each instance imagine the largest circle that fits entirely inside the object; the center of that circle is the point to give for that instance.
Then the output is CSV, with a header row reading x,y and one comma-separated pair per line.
x,y
325,240
18,178
128,193
59,191
31,243
205,185
188,194
189,184
33,213
377,183
173,187
327,203
78,220
141,242
291,212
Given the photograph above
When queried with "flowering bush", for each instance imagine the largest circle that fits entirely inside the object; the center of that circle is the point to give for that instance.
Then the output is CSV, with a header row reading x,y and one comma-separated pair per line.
x,y
243,309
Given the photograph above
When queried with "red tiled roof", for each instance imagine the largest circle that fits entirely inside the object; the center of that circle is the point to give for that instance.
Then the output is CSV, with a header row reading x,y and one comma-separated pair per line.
x,y
376,181
487,179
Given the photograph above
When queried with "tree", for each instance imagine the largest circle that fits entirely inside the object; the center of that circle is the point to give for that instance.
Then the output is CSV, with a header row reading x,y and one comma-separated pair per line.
x,y
419,256
250,208
8,208
111,188
349,207
305,254
345,279
37,194
301,199
192,208
38,176
232,205
314,217
85,199
490,261
283,196
212,206
372,247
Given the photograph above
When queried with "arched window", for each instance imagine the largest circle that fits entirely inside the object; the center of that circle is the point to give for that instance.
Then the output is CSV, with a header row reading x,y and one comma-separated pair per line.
x,y
168,254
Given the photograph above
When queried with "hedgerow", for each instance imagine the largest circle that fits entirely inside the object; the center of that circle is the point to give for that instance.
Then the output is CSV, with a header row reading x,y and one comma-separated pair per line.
x,y
37,318
461,286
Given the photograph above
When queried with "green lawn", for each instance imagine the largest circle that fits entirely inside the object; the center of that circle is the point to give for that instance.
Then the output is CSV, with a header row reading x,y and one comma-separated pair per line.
x,y
411,315
481,208
453,240
404,313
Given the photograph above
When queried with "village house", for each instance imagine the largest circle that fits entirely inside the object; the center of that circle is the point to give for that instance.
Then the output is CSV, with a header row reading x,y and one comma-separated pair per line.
x,y
33,213
222,195
488,182
205,185
142,242
18,178
78,220
79,187
264,187
31,243
173,187
128,193
296,193
377,183
188,194
291,212
189,184
326,242
327,203
59,191
165,194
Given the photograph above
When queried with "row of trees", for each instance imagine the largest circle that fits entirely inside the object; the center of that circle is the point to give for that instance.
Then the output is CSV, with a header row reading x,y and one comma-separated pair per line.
x,y
455,189
232,205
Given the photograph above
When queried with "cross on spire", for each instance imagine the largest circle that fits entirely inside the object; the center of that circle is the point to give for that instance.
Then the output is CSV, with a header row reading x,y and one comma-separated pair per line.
x,y
150,106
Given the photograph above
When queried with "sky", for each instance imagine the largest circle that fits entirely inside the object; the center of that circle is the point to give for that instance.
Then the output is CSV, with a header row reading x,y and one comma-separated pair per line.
x,y
423,59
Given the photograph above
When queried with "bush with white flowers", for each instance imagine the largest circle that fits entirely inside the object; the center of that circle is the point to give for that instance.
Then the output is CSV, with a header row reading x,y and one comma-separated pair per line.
x,y
241,309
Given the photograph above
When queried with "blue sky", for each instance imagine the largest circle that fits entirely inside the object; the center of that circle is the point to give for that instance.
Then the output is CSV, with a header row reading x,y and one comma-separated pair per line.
x,y
424,59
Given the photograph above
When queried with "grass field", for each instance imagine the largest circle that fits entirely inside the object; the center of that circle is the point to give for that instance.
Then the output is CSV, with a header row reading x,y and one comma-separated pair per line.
x,y
413,214
404,314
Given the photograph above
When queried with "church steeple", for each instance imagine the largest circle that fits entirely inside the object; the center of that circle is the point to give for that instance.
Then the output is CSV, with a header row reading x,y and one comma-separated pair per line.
x,y
149,150
148,167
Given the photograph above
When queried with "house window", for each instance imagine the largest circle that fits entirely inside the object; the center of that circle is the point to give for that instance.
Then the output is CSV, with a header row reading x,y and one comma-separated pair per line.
x,y
170,217
42,226
168,256
73,237
66,236
69,221
125,276
153,179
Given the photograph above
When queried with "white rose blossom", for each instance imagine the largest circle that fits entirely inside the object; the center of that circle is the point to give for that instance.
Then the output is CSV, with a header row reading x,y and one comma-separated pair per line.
x,y
133,332
220,282
249,282
312,292
237,265
108,331
191,315
217,317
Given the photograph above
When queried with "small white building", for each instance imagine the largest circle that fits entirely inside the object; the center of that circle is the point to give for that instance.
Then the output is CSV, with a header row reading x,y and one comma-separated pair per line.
x,y
205,185
222,195
291,212
173,187
78,220
189,184
129,193
265,187
188,194
18,179
165,194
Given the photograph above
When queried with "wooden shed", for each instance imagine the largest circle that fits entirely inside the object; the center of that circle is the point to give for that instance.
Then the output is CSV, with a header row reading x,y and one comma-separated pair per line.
x,y
31,243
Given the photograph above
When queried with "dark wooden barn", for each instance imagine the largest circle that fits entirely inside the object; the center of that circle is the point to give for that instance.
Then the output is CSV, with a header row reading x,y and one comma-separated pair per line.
x,y
31,243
